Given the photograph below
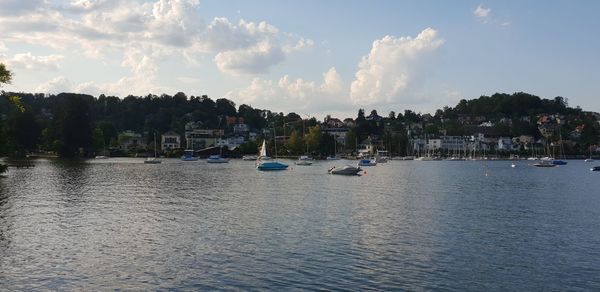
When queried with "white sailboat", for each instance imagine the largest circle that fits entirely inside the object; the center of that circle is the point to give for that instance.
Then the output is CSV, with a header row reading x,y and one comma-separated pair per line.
x,y
153,160
268,164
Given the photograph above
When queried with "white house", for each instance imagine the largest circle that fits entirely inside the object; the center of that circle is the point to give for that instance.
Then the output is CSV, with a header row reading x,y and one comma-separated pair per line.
x,y
504,144
170,140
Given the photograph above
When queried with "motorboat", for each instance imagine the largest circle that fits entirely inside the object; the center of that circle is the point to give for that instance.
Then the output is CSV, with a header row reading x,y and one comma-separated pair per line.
x,y
554,161
595,168
152,160
367,162
332,157
216,159
345,170
249,157
304,160
188,155
545,163
589,160
101,157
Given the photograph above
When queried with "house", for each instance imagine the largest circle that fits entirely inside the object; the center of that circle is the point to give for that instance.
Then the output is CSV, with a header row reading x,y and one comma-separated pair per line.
x,y
338,133
202,138
434,144
504,144
230,143
240,128
170,140
252,136
130,140
374,117
334,123
453,143
349,123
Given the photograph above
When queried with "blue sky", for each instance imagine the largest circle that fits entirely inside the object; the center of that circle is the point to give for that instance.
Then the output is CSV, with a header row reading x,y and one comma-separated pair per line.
x,y
310,57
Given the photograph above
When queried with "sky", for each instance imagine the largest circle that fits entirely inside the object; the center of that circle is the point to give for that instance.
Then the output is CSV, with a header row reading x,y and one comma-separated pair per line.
x,y
310,57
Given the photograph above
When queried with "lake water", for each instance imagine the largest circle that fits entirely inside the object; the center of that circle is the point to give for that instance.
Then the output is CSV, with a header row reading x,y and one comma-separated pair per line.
x,y
404,225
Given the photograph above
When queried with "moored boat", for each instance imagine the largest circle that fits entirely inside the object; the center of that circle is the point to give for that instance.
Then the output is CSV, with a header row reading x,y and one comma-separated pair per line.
x,y
188,155
249,157
345,170
304,160
268,165
545,163
153,160
367,162
216,159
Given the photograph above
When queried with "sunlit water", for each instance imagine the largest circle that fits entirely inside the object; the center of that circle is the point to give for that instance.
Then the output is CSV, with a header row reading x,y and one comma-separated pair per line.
x,y
404,225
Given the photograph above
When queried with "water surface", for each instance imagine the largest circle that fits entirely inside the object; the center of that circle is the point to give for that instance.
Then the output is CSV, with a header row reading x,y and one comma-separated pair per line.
x,y
122,224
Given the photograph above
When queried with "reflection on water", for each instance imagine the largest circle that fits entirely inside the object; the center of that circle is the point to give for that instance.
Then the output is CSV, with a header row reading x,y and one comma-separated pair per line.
x,y
122,224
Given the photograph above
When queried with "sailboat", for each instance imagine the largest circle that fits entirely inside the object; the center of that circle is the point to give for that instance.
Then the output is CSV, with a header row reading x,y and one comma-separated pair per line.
x,y
590,159
261,164
153,160
217,158
334,156
103,156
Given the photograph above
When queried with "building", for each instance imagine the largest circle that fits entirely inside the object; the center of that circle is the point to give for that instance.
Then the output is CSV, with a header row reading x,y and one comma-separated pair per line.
x,y
504,144
434,144
170,140
230,143
129,140
241,128
453,143
334,123
338,133
202,138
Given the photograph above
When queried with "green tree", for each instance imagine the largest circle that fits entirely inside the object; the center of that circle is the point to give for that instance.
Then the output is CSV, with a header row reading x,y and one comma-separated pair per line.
x,y
313,138
76,127
351,140
295,143
98,139
5,75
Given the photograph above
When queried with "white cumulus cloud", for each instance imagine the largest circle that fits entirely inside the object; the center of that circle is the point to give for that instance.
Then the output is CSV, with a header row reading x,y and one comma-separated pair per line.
x,y
156,30
393,66
296,94
31,62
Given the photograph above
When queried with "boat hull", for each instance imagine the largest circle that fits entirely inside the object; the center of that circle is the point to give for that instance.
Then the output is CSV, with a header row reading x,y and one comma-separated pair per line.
x,y
271,165
367,162
349,170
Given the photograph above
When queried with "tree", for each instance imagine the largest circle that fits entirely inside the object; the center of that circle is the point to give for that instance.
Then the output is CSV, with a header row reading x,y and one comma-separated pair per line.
x,y
313,138
295,143
5,75
351,140
76,127
225,107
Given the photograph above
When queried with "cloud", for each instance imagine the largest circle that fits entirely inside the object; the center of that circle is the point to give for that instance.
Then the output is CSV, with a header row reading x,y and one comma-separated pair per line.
x,y
393,67
482,12
103,29
18,7
31,62
484,15
252,60
56,85
289,94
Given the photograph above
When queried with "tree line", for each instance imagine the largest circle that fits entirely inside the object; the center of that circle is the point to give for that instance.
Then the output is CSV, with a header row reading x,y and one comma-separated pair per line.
x,y
75,125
